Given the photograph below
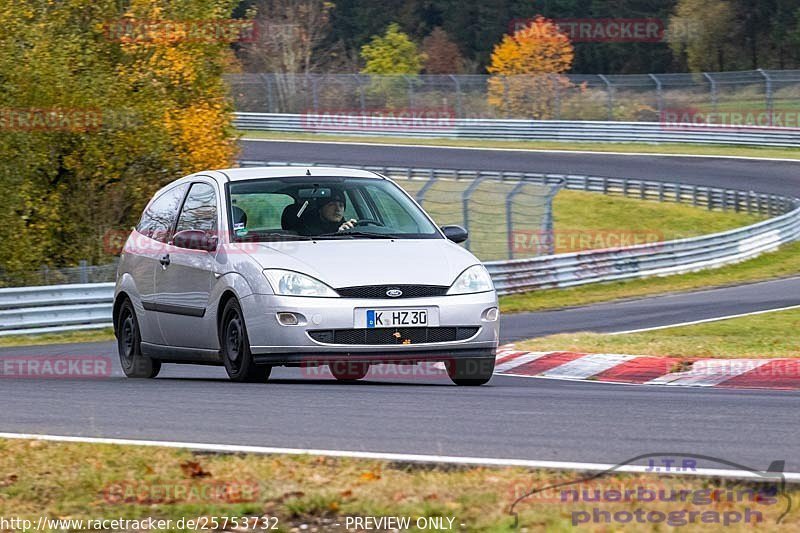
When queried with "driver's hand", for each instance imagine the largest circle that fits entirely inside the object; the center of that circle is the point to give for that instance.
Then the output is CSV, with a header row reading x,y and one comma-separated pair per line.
x,y
350,224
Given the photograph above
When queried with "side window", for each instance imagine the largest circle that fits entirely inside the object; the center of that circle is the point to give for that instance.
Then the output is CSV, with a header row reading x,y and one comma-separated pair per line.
x,y
200,209
160,215
262,211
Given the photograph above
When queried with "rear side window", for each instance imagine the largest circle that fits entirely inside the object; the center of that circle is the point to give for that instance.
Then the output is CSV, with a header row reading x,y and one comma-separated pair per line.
x,y
159,217
262,211
199,210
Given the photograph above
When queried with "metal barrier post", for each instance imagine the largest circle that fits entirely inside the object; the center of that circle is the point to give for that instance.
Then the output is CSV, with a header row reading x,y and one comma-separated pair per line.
x,y
509,216
659,94
459,106
360,93
420,196
465,196
767,92
548,218
609,96
713,84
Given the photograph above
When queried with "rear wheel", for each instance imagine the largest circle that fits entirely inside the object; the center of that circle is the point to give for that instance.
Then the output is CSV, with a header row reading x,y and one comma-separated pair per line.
x,y
238,360
348,370
129,344
470,372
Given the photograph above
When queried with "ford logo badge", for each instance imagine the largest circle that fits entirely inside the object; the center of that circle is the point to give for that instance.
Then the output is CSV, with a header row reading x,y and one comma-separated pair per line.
x,y
394,293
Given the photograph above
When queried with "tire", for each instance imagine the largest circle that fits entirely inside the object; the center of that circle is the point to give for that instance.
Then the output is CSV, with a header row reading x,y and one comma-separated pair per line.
x,y
129,344
470,372
348,370
235,345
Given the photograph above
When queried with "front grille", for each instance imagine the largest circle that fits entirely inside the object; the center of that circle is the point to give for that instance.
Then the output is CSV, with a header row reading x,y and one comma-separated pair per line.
x,y
392,335
379,291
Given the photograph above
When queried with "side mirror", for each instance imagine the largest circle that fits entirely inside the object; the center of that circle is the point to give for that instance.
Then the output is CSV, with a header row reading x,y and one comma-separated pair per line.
x,y
194,239
456,234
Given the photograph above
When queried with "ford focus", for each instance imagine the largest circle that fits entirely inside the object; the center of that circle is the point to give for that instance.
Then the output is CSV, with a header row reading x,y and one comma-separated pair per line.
x,y
254,268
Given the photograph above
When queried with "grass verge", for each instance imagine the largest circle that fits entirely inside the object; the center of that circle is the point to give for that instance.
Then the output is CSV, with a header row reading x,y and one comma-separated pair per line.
x,y
649,148
86,481
576,212
94,335
784,262
758,336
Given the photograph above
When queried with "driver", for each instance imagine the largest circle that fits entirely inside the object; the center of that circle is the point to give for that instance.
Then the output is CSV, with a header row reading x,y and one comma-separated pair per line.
x,y
329,218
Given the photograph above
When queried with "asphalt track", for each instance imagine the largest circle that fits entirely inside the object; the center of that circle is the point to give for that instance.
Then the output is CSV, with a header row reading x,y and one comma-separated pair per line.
x,y
511,417
400,412
774,177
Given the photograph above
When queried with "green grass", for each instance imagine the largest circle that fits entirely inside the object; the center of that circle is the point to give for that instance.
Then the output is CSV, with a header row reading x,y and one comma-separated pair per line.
x,y
592,212
94,335
651,148
784,262
85,481
757,336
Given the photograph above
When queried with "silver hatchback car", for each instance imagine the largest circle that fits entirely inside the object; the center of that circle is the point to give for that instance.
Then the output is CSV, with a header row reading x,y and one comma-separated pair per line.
x,y
252,268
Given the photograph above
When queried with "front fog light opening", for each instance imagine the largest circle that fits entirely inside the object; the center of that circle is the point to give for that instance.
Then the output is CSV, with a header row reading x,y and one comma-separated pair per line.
x,y
490,315
290,319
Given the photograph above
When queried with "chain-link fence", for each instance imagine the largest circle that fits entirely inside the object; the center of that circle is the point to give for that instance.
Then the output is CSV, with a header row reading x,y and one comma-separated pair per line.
x,y
44,275
639,97
493,211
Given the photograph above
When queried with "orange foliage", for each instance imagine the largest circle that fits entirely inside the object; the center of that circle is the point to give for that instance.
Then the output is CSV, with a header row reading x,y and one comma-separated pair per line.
x,y
527,68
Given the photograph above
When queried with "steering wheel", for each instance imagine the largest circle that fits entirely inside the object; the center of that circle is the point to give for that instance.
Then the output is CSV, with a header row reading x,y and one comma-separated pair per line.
x,y
369,221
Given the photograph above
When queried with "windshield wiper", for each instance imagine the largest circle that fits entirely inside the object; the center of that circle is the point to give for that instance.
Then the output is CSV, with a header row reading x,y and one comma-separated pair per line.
x,y
273,237
356,234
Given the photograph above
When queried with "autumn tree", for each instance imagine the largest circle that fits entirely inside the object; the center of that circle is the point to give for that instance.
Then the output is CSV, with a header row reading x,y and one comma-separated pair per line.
x,y
526,70
394,61
392,53
442,54
702,30
94,118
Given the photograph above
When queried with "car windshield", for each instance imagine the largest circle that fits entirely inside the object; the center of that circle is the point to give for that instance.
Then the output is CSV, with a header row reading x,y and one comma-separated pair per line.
x,y
313,207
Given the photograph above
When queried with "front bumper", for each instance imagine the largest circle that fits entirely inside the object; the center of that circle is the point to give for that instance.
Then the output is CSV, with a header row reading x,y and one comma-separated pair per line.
x,y
272,342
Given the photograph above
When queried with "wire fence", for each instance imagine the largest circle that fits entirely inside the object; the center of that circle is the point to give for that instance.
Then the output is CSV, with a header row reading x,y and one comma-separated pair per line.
x,y
45,275
637,97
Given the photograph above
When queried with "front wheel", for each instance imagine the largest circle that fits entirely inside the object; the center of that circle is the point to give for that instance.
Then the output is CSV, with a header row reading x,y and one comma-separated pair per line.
x,y
238,360
470,372
129,344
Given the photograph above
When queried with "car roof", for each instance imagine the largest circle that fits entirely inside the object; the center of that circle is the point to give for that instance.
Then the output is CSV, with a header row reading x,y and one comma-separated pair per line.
x,y
250,173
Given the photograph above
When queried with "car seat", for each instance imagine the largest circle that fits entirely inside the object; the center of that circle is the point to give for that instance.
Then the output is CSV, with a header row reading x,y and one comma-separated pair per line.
x,y
239,216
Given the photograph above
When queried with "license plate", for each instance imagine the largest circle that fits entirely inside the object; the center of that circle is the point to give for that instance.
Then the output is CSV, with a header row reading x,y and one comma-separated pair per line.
x,y
392,318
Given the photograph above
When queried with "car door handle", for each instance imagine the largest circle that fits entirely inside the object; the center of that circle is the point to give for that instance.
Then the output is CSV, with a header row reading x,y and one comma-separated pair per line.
x,y
164,260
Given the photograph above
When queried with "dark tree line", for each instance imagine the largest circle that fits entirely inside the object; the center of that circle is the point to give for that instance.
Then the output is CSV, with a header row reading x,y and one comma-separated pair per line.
x,y
758,34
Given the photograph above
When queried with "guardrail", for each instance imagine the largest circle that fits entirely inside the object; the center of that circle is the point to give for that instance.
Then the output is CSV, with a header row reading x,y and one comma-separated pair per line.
x,y
72,307
503,129
659,259
55,308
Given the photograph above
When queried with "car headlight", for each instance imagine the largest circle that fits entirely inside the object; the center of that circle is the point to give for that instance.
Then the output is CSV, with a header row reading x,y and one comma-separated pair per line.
x,y
288,283
474,279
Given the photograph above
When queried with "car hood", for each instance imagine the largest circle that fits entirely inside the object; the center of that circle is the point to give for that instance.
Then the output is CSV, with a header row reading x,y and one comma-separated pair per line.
x,y
348,263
